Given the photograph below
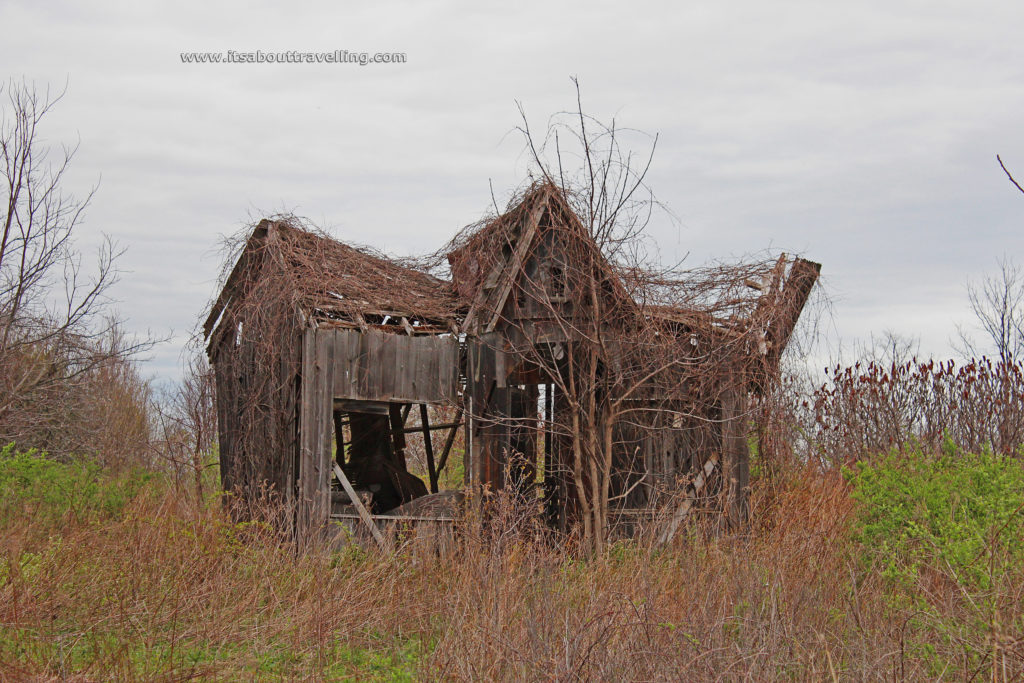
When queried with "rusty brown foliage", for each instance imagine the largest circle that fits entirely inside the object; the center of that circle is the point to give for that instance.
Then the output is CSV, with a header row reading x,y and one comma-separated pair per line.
x,y
871,408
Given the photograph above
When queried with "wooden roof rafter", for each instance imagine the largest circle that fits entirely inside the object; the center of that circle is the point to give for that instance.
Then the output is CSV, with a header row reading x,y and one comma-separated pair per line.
x,y
501,276
235,278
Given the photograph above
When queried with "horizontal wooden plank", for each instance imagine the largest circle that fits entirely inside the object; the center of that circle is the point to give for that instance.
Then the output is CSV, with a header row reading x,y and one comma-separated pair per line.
x,y
377,366
354,406
395,518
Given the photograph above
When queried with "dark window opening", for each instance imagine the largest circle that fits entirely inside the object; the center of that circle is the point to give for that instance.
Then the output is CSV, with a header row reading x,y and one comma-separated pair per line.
x,y
556,286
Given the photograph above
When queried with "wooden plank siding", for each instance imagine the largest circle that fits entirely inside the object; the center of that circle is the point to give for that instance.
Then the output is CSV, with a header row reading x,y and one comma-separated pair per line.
x,y
353,365
308,453
735,450
378,366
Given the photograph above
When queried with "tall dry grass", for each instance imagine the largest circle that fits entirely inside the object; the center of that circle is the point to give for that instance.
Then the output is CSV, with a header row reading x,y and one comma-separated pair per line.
x,y
166,588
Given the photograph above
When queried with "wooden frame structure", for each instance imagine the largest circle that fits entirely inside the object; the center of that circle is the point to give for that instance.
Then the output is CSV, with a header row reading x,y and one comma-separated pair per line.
x,y
315,382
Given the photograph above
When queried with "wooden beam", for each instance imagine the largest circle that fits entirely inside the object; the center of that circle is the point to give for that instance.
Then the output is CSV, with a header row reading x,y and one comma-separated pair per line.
x,y
518,257
428,446
687,503
370,407
306,489
403,518
450,440
794,295
397,418
433,428
735,451
364,514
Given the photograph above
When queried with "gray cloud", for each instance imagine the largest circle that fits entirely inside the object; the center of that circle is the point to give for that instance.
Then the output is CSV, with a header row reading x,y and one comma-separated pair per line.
x,y
863,134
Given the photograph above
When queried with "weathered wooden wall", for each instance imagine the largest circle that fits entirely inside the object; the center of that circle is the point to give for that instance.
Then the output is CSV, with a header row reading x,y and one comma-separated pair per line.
x,y
371,365
735,450
256,408
316,426
378,366
488,407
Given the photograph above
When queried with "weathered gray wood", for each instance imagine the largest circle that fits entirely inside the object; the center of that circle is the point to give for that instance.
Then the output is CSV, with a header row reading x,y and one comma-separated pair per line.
x,y
346,378
735,452
401,518
307,436
797,290
378,366
687,503
316,430
364,514
288,369
385,367
516,263
325,426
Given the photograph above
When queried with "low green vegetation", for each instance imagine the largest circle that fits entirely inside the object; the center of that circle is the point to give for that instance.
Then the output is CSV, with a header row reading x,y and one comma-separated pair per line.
x,y
97,571
46,491
961,512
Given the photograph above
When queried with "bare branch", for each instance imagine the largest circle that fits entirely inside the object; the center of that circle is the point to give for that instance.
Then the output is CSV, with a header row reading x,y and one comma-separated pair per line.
x,y
58,332
1015,183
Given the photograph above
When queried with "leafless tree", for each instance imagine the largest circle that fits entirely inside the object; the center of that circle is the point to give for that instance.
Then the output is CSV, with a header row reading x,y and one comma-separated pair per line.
x,y
997,302
633,352
187,420
56,321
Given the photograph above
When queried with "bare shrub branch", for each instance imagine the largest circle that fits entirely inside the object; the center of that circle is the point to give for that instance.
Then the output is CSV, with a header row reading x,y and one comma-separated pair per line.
x,y
58,331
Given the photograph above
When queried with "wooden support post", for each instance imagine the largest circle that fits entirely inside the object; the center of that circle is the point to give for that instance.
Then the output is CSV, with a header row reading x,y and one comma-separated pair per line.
x,y
428,447
468,472
364,514
735,452
687,503
450,440
313,479
549,473
397,417
494,458
339,438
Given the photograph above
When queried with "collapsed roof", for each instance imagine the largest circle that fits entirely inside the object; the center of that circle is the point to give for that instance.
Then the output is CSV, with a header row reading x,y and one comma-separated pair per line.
x,y
336,284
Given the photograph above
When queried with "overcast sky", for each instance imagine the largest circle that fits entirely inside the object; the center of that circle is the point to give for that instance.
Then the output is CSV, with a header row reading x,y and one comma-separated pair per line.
x,y
862,134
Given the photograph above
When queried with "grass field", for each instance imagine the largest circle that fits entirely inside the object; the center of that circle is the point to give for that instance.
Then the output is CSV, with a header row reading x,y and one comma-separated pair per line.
x,y
907,568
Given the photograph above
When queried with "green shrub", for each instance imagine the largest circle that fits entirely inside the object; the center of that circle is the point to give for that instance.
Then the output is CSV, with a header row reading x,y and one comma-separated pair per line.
x,y
35,487
961,512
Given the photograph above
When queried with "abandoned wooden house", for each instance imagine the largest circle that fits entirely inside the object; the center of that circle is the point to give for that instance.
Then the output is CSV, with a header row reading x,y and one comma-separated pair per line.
x,y
537,361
